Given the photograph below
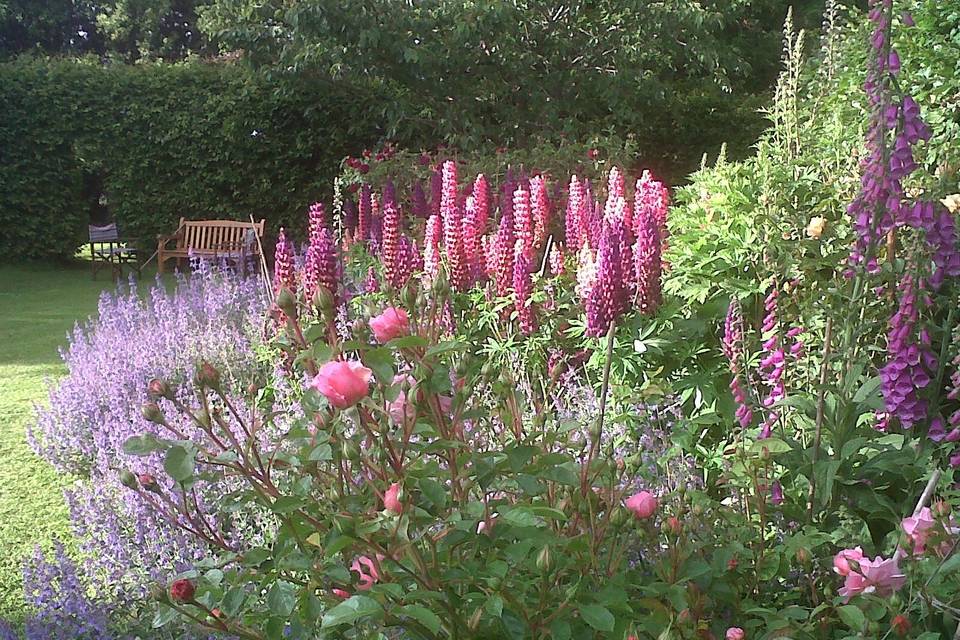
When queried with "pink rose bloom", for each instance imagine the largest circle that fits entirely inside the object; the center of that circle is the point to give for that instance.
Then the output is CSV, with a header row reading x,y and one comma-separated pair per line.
x,y
390,324
343,383
399,409
918,528
735,633
841,563
391,500
643,504
367,580
878,576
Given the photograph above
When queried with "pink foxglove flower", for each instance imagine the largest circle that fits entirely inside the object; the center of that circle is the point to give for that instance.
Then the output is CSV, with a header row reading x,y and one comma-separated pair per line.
x,y
733,349
392,323
343,383
643,504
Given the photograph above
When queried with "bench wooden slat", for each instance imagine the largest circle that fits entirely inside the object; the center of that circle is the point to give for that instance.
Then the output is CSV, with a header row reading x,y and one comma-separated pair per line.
x,y
209,237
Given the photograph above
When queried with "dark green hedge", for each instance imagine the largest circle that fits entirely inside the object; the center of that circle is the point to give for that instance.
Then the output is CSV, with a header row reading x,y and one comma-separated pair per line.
x,y
193,140
211,140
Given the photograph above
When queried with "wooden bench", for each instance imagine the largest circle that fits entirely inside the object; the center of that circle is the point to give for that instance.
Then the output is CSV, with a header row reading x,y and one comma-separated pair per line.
x,y
214,239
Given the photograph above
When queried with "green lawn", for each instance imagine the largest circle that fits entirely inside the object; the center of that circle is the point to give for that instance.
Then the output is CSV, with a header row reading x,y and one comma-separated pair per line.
x,y
39,304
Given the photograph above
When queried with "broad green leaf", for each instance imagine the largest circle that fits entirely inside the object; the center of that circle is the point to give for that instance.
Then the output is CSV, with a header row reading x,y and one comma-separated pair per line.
x,y
179,463
350,610
282,597
143,445
422,615
852,616
597,617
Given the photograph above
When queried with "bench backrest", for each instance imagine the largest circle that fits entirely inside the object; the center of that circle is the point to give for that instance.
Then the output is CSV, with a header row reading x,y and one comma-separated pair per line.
x,y
211,235
106,233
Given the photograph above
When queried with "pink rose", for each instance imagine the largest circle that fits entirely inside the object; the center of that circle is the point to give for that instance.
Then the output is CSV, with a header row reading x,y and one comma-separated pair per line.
x,y
340,593
343,383
643,504
391,500
390,324
918,528
735,633
841,564
878,576
367,580
399,408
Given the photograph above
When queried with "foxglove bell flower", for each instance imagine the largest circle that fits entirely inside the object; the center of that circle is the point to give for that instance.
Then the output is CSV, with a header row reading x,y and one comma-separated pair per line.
x,y
733,345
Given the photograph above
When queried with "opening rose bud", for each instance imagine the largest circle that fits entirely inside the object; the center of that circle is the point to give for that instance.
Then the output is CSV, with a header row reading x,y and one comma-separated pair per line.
x,y
391,500
735,633
643,504
208,376
344,384
157,388
392,323
182,590
151,411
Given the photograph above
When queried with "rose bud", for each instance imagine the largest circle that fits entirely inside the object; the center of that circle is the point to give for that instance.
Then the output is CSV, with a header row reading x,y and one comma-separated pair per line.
x,y
128,480
673,525
364,168
390,324
287,302
157,389
391,500
151,411
735,633
208,376
643,504
901,625
593,154
182,590
216,613
148,482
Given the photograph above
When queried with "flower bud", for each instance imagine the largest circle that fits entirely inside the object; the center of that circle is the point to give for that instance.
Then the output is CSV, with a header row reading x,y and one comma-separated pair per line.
x,y
544,560
157,389
287,302
941,508
901,625
208,377
182,591
323,300
673,525
151,411
148,482
217,613
128,480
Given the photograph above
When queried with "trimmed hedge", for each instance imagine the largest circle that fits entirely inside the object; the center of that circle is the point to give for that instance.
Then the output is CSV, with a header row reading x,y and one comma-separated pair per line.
x,y
217,140
193,140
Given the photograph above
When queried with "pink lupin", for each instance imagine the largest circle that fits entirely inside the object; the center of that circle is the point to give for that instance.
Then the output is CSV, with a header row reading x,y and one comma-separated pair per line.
x,y
284,276
504,248
471,241
320,268
431,246
539,209
365,211
557,260
647,262
572,223
390,246
605,302
616,189
481,204
451,213
522,219
586,272
523,288
317,218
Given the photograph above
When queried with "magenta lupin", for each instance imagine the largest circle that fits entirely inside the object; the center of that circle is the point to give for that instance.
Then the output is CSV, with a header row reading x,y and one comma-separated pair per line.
x,y
539,209
523,288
